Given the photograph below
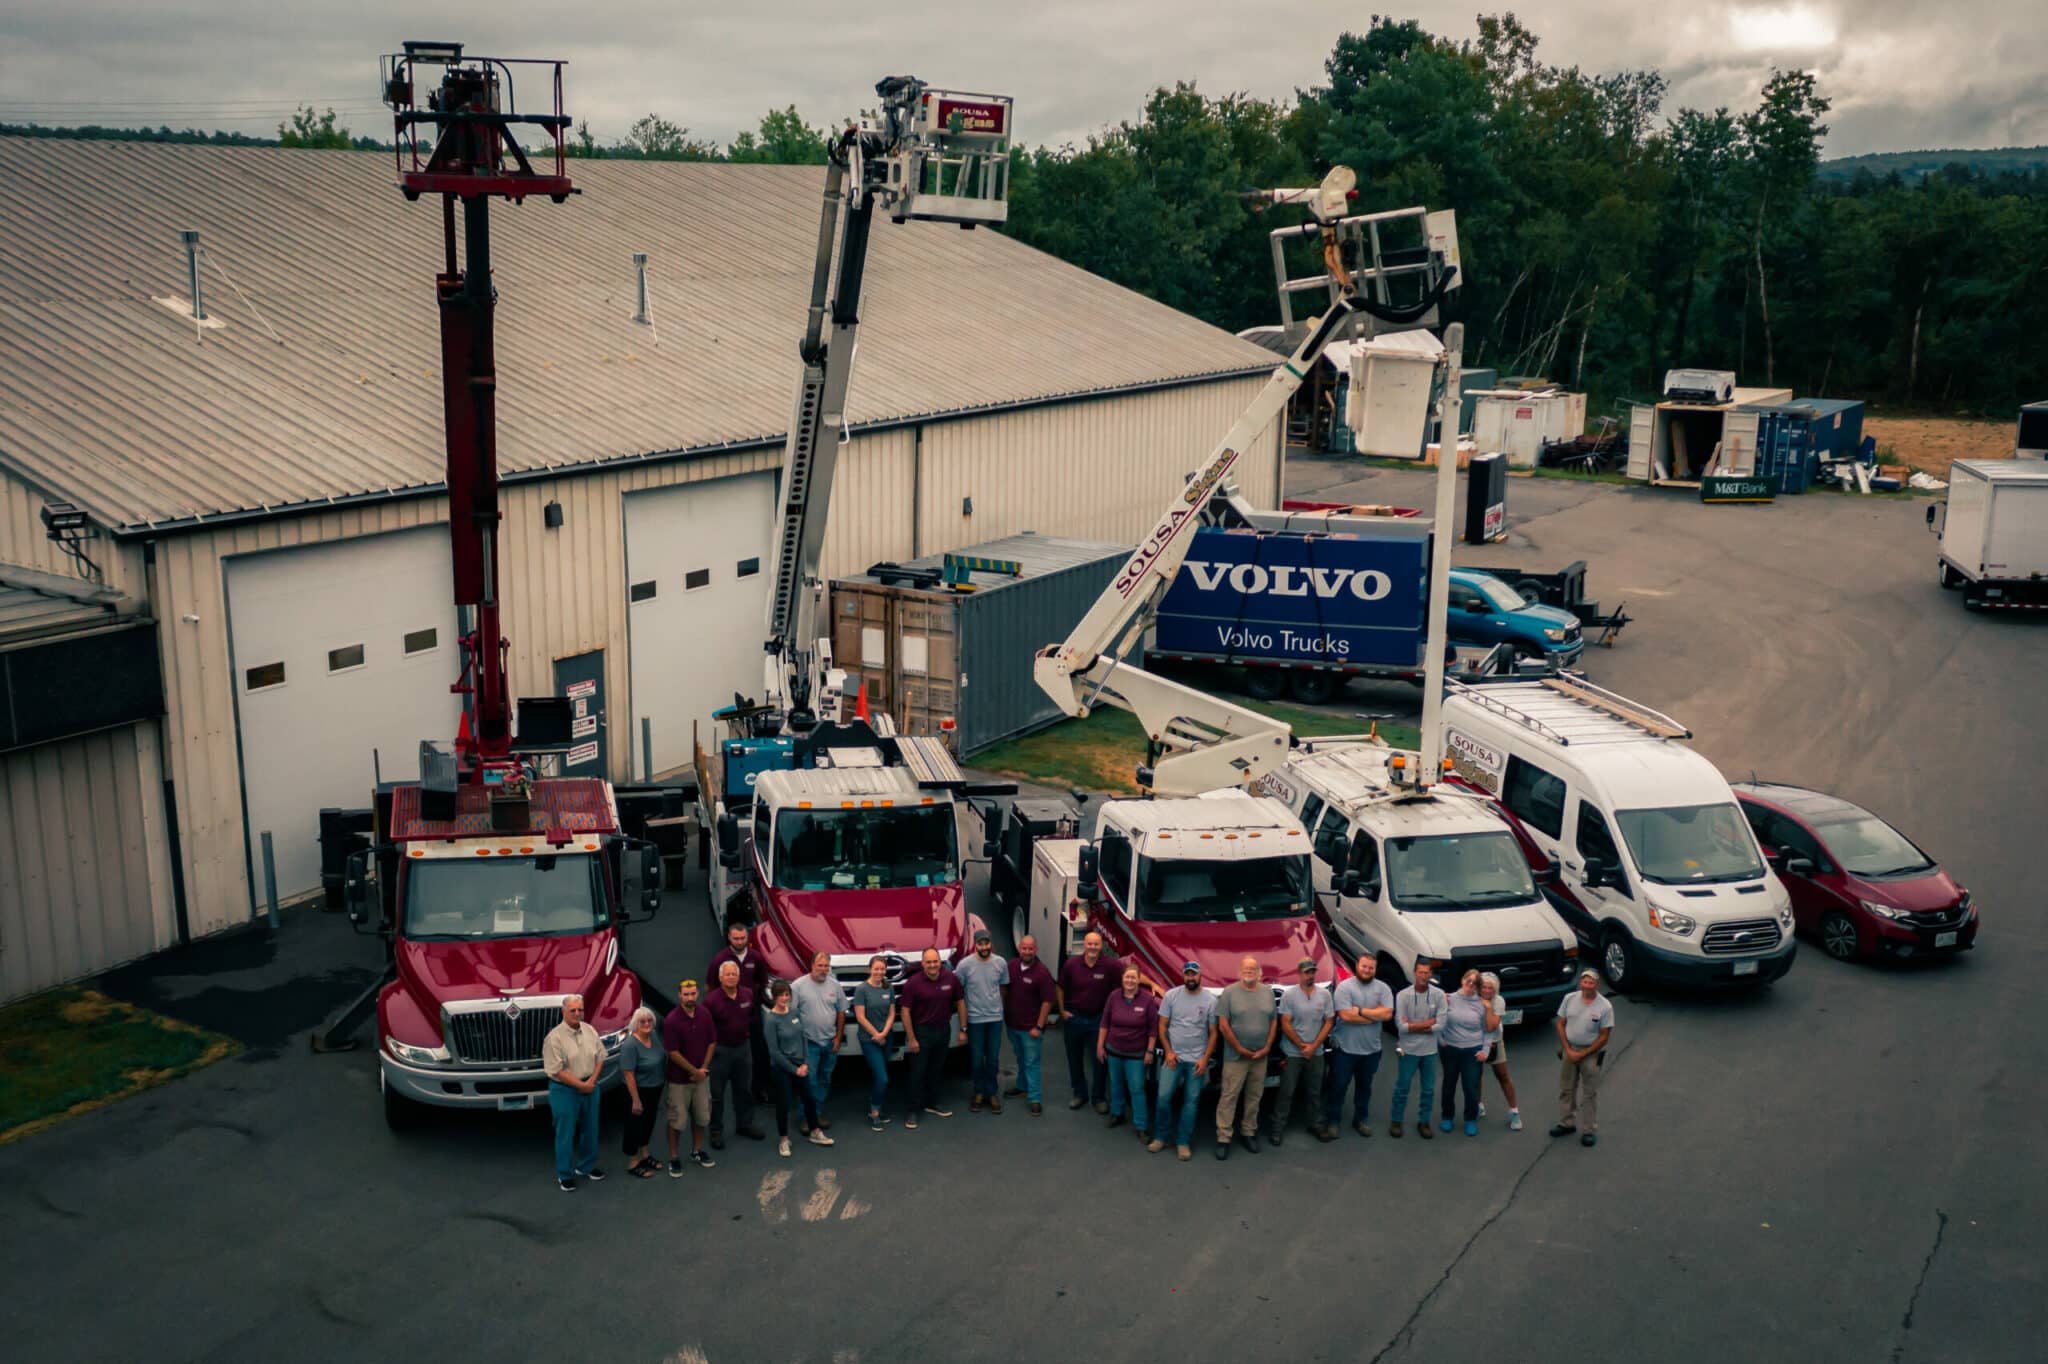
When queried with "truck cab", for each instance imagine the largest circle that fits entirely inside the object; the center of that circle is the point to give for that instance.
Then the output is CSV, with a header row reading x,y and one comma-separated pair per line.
x,y
1659,872
854,861
1209,879
496,912
1437,877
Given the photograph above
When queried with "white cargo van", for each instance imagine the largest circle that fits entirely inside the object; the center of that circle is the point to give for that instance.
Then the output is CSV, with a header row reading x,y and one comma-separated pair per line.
x,y
1408,877
1658,870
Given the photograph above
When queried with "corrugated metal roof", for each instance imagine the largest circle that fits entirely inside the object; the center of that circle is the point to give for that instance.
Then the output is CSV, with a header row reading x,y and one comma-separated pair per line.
x,y
117,400
25,613
1037,555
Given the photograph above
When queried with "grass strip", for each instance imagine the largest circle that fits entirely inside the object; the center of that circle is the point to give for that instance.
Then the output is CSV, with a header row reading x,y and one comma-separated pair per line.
x,y
71,1050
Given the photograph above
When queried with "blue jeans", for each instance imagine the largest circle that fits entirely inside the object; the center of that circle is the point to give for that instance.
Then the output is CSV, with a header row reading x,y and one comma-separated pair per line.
x,y
985,1047
877,1057
1181,1077
575,1116
1029,1051
1345,1070
1127,1082
1461,1067
1405,1074
820,1057
1080,1034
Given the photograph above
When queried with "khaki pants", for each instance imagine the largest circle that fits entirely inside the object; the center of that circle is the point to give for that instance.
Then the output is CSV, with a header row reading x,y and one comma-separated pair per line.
x,y
689,1104
1578,1092
1240,1077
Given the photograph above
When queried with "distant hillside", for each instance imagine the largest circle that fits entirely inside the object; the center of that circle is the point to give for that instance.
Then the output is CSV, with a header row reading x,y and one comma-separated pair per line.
x,y
1989,160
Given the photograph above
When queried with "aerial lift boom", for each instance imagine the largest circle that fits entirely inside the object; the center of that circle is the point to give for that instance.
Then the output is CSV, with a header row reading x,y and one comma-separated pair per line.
x,y
1198,742
931,155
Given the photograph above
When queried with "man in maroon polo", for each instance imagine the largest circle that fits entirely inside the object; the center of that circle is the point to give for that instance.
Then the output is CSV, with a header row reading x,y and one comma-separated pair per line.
x,y
936,1005
731,1006
754,975
1085,983
1028,1002
691,1040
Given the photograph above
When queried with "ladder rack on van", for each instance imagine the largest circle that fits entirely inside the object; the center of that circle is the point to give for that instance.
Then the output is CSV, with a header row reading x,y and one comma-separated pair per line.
x,y
1634,716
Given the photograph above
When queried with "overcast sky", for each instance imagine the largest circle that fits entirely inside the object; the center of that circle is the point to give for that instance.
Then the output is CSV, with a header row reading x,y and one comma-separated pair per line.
x,y
1903,74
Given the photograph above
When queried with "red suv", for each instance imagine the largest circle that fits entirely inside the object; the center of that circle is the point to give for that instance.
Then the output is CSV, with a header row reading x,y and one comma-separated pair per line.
x,y
1859,885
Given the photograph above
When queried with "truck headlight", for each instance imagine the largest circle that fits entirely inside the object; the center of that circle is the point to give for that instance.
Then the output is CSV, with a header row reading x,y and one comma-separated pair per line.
x,y
1670,922
1882,911
1554,636
1785,915
418,1056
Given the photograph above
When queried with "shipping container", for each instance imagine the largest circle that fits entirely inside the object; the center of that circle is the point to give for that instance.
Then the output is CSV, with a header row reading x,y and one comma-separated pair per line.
x,y
940,660
1838,428
1682,443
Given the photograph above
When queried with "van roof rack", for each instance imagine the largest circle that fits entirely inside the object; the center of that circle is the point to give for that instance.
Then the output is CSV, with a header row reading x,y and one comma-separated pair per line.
x,y
1558,709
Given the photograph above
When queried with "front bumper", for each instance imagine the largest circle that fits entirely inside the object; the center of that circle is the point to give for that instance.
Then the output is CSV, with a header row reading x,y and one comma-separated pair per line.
x,y
456,1086
1678,968
1889,938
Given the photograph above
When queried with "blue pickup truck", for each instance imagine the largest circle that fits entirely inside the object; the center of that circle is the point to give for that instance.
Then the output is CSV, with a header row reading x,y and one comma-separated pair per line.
x,y
1301,613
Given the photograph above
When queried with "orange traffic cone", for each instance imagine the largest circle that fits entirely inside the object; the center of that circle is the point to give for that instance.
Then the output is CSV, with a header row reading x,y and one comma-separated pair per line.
x,y
860,705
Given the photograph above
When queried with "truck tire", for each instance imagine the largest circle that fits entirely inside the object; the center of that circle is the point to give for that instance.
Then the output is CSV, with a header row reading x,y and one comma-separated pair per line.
x,y
1264,684
1018,926
400,1113
1950,579
1618,958
1313,688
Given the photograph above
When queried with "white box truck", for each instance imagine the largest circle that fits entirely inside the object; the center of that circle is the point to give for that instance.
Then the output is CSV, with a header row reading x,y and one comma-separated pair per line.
x,y
1994,534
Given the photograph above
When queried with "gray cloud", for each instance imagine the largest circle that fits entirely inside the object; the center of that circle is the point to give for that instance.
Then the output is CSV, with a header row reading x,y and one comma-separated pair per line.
x,y
1901,74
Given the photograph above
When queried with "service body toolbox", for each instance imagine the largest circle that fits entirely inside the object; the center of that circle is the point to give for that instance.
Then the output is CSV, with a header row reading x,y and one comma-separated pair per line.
x,y
1994,533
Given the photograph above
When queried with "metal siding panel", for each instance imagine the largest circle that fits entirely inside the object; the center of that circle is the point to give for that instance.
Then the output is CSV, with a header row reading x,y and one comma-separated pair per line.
x,y
25,542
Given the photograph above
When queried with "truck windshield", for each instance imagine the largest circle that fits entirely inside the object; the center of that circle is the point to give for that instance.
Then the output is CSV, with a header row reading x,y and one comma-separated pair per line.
x,y
548,896
1458,871
1690,843
1189,890
1503,597
873,849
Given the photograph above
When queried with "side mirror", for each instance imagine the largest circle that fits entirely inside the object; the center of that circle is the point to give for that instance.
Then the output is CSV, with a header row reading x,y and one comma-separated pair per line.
x,y
356,888
1350,886
1088,885
729,840
988,848
1930,518
650,876
1553,869
1597,874
1799,866
1477,608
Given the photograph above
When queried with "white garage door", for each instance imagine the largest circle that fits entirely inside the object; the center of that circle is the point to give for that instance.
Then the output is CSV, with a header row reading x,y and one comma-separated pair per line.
x,y
339,649
697,574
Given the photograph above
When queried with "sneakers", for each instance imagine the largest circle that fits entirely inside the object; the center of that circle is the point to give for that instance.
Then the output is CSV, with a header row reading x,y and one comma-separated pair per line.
x,y
1589,1139
910,1122
875,1122
703,1159
782,1148
1102,1105
1444,1124
995,1105
1471,1129
1155,1146
974,1104
1326,1133
1482,1108
1364,1129
595,1174
566,1185
936,1110
1393,1129
1037,1109
1276,1136
1077,1103
824,1122
1183,1152
818,1138
675,1169
1514,1120
1428,1133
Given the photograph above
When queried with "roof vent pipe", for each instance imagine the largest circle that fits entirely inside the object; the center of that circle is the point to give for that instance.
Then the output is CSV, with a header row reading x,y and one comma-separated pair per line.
x,y
191,238
640,275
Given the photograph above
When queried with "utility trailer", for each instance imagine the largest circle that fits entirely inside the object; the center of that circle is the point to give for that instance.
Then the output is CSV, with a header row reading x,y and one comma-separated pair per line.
x,y
1565,589
1994,534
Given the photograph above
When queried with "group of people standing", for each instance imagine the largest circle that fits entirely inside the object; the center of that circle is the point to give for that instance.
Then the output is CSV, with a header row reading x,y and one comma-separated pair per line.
x,y
785,1050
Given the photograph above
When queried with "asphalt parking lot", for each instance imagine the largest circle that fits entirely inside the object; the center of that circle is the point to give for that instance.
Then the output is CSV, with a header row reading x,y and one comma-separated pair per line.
x,y
1843,1166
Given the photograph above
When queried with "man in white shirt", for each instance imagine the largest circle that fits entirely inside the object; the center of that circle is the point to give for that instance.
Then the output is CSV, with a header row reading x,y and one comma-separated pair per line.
x,y
1585,1020
573,1058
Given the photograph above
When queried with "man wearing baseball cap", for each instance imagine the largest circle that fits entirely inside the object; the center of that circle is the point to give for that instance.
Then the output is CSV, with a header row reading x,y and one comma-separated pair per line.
x,y
1585,1020
1306,1013
1187,1031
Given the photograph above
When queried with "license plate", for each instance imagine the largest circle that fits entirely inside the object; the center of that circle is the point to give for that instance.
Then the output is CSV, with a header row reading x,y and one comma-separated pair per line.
x,y
1745,968
1510,1017
508,1103
1944,940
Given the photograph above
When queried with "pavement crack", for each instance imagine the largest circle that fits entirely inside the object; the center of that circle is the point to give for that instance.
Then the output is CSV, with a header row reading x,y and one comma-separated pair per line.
x,y
1401,1337
1913,1302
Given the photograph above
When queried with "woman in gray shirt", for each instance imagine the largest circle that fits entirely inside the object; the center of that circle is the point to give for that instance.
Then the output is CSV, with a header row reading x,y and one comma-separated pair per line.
x,y
1459,1038
785,1037
645,1066
874,1013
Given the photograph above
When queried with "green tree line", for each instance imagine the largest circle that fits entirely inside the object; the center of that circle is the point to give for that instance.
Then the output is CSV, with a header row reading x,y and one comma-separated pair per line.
x,y
1604,241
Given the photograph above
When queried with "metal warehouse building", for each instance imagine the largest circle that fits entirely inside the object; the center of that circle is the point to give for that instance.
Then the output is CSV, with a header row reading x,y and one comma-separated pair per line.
x,y
263,487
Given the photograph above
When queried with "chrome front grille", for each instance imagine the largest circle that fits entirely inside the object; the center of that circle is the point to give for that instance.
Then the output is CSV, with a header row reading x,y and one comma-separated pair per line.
x,y
498,1035
1516,969
1741,936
